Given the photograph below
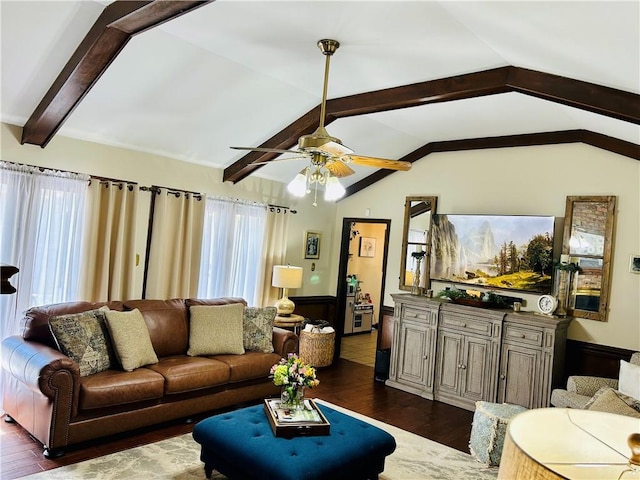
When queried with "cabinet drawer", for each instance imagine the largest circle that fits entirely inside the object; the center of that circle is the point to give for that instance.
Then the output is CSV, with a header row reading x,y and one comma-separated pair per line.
x,y
522,335
466,325
416,314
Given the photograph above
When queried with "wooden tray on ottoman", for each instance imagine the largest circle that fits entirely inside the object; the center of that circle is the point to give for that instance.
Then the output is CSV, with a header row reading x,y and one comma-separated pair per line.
x,y
286,423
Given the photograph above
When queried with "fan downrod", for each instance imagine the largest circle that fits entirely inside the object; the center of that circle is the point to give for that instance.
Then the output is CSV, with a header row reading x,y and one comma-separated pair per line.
x,y
328,46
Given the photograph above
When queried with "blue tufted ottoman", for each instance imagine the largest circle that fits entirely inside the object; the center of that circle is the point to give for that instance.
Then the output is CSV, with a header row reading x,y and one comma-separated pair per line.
x,y
241,445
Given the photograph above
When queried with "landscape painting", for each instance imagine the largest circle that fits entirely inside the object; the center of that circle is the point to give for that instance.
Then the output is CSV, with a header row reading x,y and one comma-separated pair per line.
x,y
513,252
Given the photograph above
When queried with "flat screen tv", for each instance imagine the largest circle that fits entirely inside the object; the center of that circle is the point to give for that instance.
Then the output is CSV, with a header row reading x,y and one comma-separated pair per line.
x,y
509,252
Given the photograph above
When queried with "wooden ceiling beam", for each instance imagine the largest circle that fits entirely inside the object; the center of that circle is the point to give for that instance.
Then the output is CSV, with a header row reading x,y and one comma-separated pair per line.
x,y
605,142
567,91
118,22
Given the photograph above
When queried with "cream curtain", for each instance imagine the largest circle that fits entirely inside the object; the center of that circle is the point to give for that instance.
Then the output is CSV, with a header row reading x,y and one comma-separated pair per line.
x,y
176,243
109,242
274,253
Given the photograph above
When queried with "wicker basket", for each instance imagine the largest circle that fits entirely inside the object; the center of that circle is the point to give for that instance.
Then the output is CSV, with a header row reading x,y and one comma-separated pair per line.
x,y
317,348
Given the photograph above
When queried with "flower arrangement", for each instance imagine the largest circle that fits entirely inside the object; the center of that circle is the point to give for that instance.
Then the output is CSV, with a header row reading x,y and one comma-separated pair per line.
x,y
292,371
293,375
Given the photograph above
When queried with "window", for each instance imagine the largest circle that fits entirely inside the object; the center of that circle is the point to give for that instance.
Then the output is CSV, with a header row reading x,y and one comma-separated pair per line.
x,y
41,221
232,245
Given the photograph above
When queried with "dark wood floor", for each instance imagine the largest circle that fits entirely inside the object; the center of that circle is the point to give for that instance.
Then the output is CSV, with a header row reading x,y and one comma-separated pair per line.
x,y
344,383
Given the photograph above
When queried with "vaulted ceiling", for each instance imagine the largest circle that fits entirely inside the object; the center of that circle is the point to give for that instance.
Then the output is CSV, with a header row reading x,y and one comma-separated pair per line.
x,y
190,79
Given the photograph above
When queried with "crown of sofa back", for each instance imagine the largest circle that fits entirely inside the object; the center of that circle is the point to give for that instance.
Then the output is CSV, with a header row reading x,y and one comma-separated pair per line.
x,y
167,320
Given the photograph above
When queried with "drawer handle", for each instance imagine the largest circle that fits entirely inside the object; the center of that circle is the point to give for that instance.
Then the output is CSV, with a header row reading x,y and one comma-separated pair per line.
x,y
503,376
425,357
523,336
464,324
464,367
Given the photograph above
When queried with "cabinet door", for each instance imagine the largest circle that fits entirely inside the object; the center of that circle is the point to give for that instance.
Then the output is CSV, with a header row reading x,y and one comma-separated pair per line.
x,y
412,361
475,367
519,375
449,362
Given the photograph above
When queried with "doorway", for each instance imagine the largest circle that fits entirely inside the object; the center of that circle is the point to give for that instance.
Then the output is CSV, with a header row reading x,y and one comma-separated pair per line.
x,y
361,284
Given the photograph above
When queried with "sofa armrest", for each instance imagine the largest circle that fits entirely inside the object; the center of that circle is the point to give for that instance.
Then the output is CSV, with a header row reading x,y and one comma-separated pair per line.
x,y
42,389
284,341
588,386
42,369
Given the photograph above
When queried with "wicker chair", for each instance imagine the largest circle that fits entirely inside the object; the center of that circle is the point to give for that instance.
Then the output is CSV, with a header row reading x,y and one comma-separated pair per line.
x,y
581,388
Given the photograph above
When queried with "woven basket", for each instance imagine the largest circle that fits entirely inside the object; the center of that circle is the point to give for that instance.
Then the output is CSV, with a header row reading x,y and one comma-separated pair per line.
x,y
317,348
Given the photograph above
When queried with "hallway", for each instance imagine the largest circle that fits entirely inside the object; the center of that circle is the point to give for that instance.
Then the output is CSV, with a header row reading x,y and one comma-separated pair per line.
x,y
360,348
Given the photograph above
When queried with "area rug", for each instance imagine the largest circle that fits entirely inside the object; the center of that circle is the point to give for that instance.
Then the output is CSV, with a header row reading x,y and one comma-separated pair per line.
x,y
178,458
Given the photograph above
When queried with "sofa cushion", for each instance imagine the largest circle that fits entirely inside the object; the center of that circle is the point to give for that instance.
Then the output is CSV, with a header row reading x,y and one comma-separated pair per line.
x,y
258,328
130,338
115,387
249,366
83,337
185,374
167,324
216,330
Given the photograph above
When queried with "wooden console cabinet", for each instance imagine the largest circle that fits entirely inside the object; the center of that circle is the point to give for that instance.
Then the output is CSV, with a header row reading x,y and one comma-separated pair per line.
x,y
460,355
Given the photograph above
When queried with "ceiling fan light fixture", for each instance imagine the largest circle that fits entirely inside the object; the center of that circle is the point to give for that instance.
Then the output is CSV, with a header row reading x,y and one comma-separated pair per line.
x,y
298,186
333,190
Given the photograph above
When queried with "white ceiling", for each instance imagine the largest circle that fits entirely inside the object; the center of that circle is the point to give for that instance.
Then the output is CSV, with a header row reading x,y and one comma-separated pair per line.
x,y
237,72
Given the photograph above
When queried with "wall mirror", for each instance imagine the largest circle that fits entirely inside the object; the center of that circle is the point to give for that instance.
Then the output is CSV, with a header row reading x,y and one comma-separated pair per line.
x,y
416,237
588,240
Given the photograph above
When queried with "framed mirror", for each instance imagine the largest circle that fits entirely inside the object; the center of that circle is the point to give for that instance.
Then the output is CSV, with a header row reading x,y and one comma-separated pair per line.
x,y
416,238
588,240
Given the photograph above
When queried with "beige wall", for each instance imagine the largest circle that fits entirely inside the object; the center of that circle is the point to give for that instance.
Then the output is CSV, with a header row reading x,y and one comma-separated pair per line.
x,y
527,181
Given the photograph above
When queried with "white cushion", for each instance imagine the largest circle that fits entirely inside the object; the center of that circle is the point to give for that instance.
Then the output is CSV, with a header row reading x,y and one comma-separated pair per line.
x,y
216,329
629,382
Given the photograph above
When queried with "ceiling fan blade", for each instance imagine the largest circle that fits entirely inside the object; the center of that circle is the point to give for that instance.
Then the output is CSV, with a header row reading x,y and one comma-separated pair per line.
x,y
339,169
377,162
335,149
268,150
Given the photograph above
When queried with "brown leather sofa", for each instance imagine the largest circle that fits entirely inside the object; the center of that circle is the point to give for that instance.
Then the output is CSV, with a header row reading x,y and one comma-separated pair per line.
x,y
46,395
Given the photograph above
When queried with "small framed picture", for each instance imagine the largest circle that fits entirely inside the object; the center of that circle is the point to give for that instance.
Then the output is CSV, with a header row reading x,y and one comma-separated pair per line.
x,y
634,264
367,247
312,244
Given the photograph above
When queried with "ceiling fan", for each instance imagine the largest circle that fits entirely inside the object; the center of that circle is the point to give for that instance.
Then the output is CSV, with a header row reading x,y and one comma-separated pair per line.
x,y
329,158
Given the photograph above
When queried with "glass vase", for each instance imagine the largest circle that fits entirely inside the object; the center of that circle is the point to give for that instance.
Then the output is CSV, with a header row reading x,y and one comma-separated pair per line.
x,y
292,396
562,290
416,289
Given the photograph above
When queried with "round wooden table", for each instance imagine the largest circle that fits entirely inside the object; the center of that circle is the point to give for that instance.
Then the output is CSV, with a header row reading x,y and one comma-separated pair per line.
x,y
563,443
292,322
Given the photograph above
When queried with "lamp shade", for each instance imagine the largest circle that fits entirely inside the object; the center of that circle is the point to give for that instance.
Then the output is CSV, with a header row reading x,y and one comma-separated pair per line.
x,y
286,276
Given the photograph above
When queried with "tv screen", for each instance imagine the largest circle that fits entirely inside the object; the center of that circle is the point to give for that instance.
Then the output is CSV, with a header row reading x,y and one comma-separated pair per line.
x,y
510,252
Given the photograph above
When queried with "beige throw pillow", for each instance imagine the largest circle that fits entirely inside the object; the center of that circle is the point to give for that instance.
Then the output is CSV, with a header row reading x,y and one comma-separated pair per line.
x,y
131,340
216,329
612,401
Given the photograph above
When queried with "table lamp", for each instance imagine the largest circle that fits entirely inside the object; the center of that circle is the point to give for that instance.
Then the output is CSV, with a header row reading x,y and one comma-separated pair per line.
x,y
285,277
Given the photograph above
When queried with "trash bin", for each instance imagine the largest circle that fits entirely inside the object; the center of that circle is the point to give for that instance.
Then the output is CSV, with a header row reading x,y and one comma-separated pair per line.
x,y
381,369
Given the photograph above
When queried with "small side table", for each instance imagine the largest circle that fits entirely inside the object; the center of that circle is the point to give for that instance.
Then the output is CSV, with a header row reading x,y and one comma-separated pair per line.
x,y
292,322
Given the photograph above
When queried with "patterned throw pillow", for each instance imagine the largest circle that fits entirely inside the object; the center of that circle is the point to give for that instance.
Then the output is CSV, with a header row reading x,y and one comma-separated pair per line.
x,y
131,339
83,337
258,328
216,330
